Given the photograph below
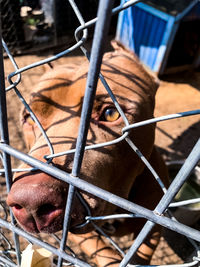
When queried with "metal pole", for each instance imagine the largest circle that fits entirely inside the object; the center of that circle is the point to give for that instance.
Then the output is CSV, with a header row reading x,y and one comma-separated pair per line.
x,y
100,34
101,30
5,139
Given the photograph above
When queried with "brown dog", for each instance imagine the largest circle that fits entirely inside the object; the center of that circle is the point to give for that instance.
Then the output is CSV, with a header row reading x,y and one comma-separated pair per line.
x,y
38,200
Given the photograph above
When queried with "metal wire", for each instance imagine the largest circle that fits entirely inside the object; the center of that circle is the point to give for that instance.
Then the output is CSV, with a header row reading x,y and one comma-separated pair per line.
x,y
133,211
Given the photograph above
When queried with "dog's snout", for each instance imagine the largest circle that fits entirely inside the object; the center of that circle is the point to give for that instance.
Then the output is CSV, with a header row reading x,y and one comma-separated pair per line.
x,y
36,205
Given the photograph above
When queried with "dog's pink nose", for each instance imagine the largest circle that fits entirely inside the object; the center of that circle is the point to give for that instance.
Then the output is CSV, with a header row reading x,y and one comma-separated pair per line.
x,y
38,203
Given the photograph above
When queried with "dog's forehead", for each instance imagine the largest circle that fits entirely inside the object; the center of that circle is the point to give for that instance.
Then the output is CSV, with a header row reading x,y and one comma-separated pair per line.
x,y
123,73
126,76
63,85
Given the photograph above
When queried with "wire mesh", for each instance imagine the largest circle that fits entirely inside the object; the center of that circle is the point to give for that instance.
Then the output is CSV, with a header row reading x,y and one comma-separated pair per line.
x,y
10,252
12,27
32,26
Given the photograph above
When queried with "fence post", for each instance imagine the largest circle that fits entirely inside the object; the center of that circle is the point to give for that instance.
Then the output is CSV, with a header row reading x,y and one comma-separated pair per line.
x,y
5,139
100,34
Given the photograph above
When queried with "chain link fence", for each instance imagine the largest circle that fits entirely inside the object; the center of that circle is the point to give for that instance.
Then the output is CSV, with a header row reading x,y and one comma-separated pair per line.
x,y
12,28
32,26
63,255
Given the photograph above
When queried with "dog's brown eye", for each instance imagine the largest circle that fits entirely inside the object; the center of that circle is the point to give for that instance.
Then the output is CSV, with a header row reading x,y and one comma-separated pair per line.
x,y
29,120
110,114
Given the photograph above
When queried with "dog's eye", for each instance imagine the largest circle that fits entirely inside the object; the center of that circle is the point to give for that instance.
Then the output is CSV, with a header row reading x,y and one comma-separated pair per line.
x,y
110,114
29,120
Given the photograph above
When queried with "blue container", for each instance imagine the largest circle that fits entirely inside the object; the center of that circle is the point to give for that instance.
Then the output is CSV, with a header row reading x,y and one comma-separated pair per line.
x,y
150,32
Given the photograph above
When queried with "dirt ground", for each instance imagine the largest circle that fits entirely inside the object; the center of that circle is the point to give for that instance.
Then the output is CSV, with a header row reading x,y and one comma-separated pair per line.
x,y
175,138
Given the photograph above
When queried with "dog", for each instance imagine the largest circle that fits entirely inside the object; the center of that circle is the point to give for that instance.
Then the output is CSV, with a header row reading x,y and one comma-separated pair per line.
x,y
38,200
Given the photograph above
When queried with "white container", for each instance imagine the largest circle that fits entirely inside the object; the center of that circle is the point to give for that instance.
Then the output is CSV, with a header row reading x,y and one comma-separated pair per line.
x,y
188,214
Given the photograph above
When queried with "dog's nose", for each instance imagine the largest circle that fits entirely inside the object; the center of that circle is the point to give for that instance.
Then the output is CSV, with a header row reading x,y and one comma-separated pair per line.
x,y
38,203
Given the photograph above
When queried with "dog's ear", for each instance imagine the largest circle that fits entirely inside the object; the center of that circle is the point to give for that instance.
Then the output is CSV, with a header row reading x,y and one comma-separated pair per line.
x,y
146,79
152,77
155,82
117,46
